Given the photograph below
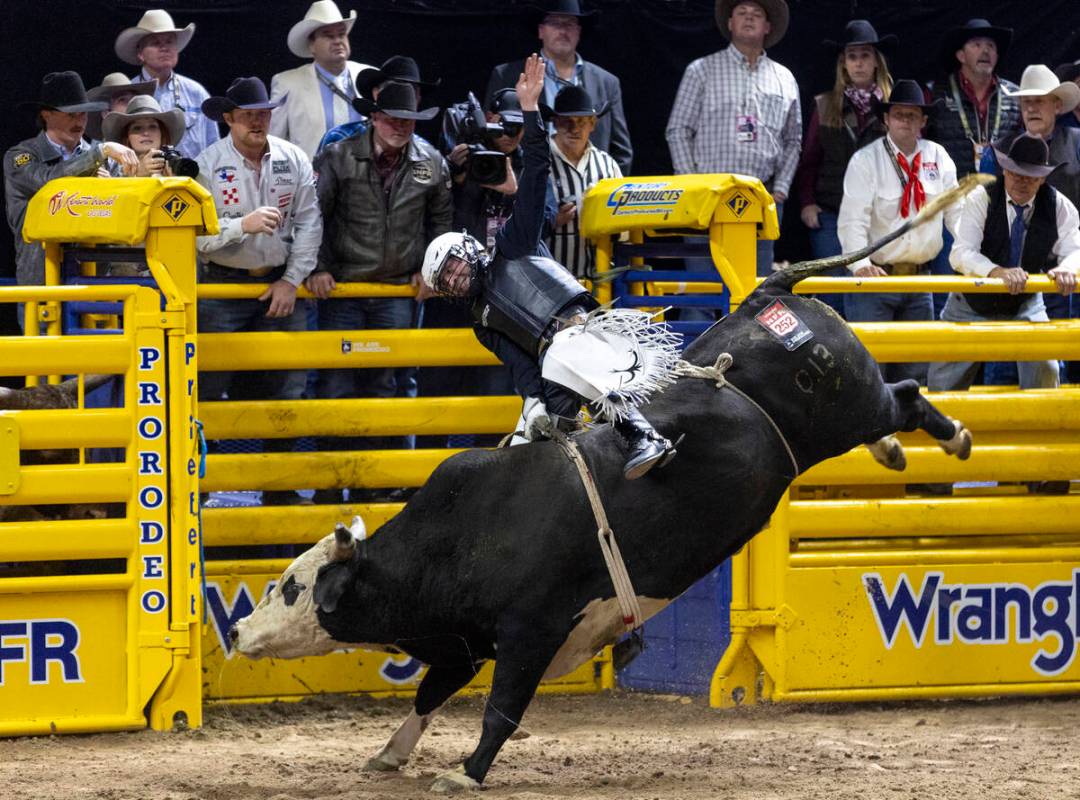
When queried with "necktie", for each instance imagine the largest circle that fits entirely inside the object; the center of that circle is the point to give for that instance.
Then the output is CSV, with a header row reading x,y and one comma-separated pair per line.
x,y
913,188
1016,235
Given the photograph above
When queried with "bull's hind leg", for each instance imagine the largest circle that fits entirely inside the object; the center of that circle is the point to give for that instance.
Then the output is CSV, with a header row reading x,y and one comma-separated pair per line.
x,y
911,410
518,669
438,685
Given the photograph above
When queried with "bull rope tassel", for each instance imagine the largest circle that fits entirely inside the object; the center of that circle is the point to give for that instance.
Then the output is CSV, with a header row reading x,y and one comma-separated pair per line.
x,y
624,589
717,373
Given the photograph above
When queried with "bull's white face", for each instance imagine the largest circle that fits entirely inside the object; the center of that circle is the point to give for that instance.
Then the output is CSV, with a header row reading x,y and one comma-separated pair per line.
x,y
284,624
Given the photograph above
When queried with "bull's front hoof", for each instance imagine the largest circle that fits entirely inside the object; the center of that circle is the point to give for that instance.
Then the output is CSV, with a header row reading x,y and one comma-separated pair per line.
x,y
385,761
454,782
960,444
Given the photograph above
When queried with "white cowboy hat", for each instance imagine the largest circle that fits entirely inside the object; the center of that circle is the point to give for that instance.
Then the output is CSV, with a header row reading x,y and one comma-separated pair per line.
x,y
1039,80
156,20
321,13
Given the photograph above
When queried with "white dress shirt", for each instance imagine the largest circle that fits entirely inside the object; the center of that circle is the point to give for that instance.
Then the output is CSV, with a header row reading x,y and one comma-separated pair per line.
x,y
872,198
966,256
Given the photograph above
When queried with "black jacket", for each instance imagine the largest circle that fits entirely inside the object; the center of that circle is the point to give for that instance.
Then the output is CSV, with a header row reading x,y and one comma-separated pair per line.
x,y
947,129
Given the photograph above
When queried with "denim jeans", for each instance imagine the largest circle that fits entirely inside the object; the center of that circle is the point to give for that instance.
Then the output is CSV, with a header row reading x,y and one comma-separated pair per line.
x,y
892,307
366,313
958,375
940,266
824,243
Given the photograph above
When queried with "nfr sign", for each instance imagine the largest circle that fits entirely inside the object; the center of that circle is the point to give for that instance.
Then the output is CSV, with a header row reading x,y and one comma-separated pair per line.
x,y
41,642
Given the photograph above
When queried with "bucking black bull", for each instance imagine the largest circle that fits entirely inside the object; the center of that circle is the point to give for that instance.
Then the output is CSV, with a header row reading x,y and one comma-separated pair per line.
x,y
496,557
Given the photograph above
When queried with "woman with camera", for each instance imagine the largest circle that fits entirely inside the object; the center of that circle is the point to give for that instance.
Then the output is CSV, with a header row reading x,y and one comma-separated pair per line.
x,y
149,131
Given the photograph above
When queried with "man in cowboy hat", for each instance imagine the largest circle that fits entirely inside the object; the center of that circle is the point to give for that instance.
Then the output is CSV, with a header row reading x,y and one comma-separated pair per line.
x,y
1066,73
885,184
58,151
559,27
759,134
576,164
318,95
1009,230
264,192
155,43
402,69
383,195
116,89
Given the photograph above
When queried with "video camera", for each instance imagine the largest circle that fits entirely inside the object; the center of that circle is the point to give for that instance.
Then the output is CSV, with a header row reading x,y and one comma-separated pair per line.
x,y
465,123
180,165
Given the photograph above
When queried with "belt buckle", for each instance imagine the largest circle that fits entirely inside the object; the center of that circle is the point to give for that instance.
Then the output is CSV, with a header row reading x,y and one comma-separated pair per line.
x,y
905,269
260,272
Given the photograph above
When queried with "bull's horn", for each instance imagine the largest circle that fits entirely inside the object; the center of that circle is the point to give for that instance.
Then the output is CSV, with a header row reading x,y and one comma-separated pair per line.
x,y
344,543
358,528
91,382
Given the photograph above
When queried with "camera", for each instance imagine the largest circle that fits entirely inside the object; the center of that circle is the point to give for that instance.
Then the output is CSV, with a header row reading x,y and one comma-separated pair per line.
x,y
180,165
465,123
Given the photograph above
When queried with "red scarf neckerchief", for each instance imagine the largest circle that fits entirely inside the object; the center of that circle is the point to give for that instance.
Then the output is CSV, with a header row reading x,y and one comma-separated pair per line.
x,y
913,188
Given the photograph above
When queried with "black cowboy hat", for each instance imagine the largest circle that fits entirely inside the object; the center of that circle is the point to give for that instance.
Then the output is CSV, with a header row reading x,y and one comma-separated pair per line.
x,y
574,101
396,100
957,37
906,93
505,103
64,91
860,31
242,93
396,68
1067,72
568,8
1025,155
776,11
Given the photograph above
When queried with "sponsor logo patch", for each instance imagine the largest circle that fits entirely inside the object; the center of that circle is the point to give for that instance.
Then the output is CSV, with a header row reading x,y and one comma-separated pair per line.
x,y
82,205
421,172
280,167
22,159
175,207
781,322
643,198
226,174
230,196
738,203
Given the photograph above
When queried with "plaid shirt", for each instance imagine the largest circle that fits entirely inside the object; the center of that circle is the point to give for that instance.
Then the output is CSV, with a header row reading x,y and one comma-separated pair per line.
x,y
716,91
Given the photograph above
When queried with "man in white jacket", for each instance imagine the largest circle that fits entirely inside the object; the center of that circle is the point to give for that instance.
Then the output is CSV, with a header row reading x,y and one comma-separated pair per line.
x,y
317,96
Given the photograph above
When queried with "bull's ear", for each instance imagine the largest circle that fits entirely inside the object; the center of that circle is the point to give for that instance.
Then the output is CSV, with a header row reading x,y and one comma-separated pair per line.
x,y
344,544
331,583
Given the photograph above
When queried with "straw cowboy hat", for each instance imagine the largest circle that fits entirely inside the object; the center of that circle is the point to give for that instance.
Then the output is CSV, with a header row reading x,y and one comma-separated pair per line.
x,y
156,20
320,14
118,83
242,93
1039,81
1027,155
775,10
396,100
64,91
143,107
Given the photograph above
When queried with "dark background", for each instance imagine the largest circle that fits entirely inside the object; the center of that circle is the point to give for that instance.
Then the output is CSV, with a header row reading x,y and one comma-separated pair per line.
x,y
647,43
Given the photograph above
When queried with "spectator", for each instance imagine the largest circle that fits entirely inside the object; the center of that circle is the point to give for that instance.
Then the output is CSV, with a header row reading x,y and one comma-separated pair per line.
x,y
576,164
58,151
737,110
396,68
264,191
155,43
887,182
116,89
843,120
1009,230
384,195
560,24
317,96
1065,73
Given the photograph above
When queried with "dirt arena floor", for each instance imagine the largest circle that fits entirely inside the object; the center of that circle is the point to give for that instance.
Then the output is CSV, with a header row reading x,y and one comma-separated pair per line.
x,y
616,747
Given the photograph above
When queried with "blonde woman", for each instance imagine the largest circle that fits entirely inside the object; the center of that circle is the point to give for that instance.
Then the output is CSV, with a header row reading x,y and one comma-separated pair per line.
x,y
843,120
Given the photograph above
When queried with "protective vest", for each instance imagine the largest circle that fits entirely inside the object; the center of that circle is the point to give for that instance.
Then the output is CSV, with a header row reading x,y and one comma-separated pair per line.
x,y
838,146
947,128
1041,235
520,297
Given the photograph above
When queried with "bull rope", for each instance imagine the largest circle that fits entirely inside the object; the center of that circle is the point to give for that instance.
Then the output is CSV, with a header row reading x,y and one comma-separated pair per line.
x,y
620,578
716,373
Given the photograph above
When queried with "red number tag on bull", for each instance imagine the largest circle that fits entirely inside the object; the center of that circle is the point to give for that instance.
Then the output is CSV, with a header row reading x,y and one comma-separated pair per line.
x,y
781,322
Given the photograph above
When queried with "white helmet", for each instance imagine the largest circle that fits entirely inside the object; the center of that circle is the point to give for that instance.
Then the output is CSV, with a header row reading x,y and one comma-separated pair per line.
x,y
453,244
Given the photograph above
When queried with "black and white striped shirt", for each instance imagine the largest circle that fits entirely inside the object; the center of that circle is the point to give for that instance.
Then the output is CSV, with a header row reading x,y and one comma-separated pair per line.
x,y
570,182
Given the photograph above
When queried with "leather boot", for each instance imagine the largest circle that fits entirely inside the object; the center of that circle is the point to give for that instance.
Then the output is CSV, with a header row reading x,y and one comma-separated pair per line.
x,y
647,447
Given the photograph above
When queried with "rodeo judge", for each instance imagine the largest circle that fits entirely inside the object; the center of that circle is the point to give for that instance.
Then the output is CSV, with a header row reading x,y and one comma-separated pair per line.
x,y
541,323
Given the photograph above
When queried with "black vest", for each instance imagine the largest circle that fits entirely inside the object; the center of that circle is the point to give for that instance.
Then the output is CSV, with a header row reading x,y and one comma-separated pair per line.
x,y
1042,233
838,146
946,128
519,298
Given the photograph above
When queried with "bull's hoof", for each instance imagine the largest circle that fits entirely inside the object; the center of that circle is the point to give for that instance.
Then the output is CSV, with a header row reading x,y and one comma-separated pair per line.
x,y
385,761
888,452
454,782
960,444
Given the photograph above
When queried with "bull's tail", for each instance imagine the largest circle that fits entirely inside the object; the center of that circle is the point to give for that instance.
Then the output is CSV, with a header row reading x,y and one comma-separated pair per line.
x,y
786,279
